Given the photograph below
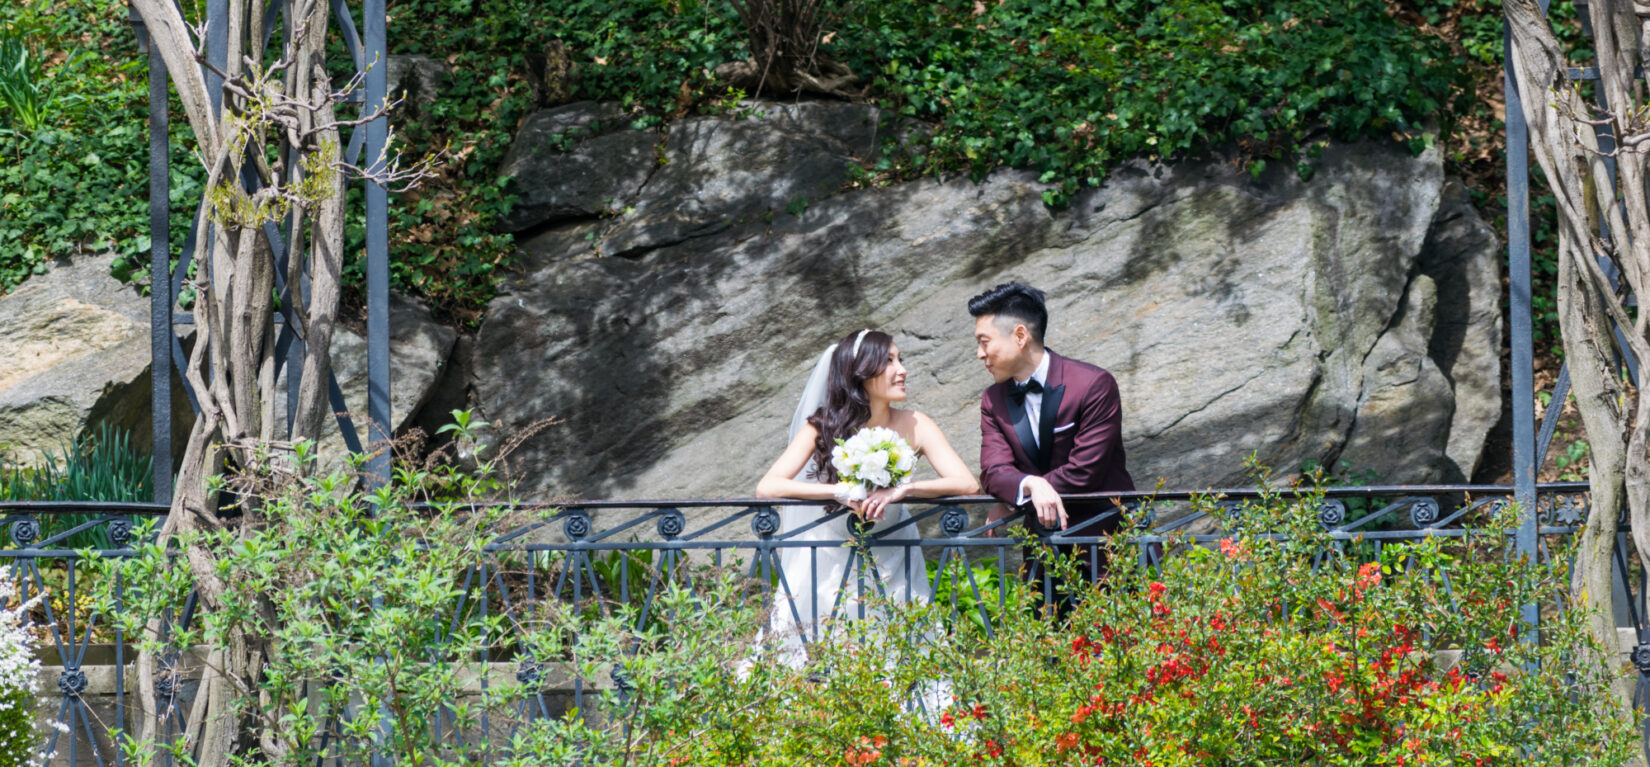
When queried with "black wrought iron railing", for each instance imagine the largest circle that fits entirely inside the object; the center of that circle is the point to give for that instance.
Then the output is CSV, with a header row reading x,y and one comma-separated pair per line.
x,y
625,552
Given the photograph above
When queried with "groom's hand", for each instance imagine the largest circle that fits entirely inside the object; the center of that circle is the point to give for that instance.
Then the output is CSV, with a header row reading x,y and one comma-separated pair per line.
x,y
1051,511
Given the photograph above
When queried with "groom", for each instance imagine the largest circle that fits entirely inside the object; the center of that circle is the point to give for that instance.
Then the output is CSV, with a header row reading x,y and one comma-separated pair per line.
x,y
1049,425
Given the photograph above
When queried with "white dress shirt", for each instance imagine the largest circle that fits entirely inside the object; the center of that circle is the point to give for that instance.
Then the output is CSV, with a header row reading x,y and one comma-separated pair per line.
x,y
1034,415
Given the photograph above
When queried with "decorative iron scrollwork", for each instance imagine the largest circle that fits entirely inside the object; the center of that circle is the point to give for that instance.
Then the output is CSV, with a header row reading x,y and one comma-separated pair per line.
x,y
1332,513
953,521
1423,512
577,524
1146,520
1641,658
530,674
167,685
120,531
72,682
671,523
621,679
766,521
1563,509
25,532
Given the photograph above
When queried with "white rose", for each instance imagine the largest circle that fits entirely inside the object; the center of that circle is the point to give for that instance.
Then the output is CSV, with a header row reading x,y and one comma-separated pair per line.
x,y
877,460
880,478
906,460
858,443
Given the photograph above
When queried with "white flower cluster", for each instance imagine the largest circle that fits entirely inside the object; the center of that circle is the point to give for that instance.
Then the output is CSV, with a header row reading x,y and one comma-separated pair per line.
x,y
872,459
19,676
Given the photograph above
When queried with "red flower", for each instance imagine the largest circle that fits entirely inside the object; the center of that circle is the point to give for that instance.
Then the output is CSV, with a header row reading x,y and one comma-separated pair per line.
x,y
979,711
1157,588
1066,741
948,720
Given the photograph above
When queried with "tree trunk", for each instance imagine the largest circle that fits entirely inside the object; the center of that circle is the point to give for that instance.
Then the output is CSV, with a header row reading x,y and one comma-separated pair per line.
x,y
1604,219
281,109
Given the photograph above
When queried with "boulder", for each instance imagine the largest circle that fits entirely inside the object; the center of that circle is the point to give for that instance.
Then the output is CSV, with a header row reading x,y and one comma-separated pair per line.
x,y
701,175
420,349
76,345
1306,321
416,80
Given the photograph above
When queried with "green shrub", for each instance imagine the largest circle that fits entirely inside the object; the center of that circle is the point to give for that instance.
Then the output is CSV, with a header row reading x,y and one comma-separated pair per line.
x,y
1268,647
74,174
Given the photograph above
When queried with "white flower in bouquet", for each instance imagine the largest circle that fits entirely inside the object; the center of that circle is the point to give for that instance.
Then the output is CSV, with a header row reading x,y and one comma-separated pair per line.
x,y
872,459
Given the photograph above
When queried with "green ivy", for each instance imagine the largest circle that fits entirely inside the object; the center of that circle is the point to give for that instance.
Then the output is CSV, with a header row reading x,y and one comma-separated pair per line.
x,y
1066,88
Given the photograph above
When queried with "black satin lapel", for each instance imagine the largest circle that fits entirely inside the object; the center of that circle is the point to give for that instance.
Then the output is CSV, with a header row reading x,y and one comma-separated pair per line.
x,y
1022,429
1045,424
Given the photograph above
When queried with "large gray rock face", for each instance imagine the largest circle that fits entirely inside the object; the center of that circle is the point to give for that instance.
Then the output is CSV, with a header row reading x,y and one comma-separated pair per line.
x,y
75,346
1330,320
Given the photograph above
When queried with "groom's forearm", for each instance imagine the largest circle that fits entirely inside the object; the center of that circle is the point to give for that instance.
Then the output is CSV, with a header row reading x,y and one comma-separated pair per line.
x,y
1002,481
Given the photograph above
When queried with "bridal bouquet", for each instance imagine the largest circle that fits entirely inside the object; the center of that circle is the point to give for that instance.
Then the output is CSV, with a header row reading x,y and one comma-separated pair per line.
x,y
872,459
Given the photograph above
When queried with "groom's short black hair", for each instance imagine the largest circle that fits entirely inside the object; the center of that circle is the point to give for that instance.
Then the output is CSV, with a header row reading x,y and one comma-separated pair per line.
x,y
1017,300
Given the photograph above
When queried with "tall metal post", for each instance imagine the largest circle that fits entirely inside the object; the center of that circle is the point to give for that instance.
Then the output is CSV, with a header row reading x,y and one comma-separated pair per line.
x,y
378,259
160,272
1518,302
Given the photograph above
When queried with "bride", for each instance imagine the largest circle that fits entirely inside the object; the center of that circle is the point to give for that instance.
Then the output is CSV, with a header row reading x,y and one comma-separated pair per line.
x,y
853,386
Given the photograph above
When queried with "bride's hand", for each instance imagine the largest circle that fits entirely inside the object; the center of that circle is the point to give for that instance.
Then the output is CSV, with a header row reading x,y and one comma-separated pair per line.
x,y
876,505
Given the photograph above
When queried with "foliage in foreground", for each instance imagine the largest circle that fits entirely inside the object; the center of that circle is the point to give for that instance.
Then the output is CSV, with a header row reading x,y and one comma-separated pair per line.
x,y
1255,651
21,740
1274,645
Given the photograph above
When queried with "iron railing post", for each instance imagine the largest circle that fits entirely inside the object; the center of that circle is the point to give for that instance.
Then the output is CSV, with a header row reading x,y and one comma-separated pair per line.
x,y
378,269
160,272
1519,310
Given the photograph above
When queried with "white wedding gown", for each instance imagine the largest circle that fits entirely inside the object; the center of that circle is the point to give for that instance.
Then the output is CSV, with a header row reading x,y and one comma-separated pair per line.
x,y
828,583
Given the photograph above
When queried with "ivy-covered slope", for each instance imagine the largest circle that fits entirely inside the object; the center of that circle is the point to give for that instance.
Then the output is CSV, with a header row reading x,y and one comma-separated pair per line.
x,y
1068,88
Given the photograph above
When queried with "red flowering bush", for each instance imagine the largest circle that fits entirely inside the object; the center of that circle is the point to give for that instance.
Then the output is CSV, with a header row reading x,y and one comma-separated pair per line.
x,y
1273,644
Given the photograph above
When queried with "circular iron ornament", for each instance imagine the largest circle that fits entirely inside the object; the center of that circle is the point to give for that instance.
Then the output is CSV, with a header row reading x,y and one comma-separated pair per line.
x,y
859,526
1641,658
120,531
954,521
1572,509
577,524
1423,512
766,521
72,682
166,685
621,678
530,674
25,532
671,523
1332,513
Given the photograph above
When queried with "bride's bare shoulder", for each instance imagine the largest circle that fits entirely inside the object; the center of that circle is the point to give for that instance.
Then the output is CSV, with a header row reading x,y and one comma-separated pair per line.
x,y
914,421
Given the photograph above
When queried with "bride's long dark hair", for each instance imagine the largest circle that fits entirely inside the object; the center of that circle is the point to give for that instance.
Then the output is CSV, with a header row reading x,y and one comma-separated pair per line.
x,y
847,407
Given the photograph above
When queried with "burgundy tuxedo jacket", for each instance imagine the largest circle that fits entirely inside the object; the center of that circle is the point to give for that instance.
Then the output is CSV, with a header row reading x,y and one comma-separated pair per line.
x,y
1081,425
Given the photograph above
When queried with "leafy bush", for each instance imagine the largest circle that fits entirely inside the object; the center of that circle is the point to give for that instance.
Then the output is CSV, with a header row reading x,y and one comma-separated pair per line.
x,y
1068,89
1269,648
74,175
362,590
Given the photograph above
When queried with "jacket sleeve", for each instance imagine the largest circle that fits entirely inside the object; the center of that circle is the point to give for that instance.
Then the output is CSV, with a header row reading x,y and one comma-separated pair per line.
x,y
998,475
1098,441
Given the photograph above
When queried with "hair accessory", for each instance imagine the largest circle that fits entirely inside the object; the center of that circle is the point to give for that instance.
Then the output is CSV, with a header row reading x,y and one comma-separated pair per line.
x,y
857,339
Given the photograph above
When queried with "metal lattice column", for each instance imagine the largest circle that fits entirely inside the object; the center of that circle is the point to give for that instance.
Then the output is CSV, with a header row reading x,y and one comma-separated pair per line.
x,y
368,57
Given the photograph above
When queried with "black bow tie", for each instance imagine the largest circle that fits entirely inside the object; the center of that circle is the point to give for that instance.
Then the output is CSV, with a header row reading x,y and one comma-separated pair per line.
x,y
1019,390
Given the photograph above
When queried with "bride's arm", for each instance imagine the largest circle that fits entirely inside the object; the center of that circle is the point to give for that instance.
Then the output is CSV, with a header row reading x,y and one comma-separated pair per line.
x,y
780,480
955,478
